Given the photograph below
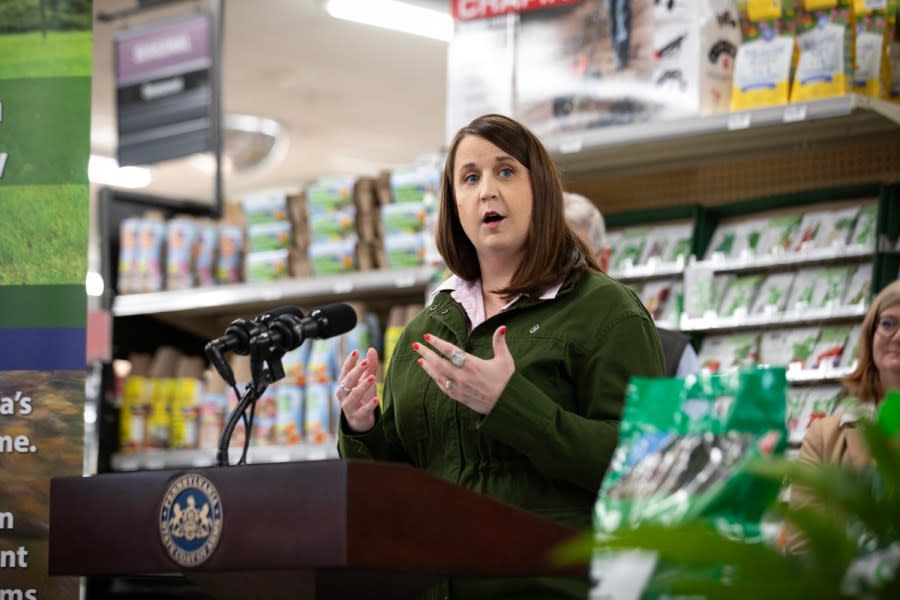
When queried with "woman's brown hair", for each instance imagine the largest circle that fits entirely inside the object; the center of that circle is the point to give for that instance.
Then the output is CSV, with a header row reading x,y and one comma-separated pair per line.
x,y
553,252
864,382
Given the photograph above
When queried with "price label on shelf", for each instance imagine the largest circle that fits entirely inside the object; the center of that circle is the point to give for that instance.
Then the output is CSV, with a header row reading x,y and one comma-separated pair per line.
x,y
794,112
738,121
343,287
571,146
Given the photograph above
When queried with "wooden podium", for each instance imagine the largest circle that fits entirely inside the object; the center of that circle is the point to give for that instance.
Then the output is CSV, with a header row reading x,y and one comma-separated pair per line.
x,y
318,529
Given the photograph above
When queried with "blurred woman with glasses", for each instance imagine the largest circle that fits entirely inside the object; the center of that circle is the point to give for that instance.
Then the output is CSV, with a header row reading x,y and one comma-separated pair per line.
x,y
835,439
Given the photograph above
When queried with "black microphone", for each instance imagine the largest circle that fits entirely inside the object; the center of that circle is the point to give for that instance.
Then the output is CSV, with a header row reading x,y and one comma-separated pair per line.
x,y
238,336
287,331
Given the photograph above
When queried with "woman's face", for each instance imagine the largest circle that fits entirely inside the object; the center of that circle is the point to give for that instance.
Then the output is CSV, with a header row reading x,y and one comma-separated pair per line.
x,y
493,197
886,342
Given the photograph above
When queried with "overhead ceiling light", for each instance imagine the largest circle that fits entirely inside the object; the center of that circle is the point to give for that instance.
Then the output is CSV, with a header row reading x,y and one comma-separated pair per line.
x,y
391,14
106,171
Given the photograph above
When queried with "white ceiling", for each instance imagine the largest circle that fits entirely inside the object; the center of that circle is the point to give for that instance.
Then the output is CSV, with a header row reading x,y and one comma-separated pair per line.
x,y
353,99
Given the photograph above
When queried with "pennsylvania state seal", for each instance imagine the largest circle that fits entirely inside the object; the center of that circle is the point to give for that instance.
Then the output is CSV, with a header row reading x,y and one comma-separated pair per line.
x,y
190,520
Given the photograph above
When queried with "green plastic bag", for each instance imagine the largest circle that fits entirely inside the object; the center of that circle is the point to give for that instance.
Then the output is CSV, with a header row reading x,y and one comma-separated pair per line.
x,y
681,452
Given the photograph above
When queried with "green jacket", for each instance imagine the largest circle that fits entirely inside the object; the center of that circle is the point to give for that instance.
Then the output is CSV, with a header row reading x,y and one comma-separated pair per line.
x,y
548,441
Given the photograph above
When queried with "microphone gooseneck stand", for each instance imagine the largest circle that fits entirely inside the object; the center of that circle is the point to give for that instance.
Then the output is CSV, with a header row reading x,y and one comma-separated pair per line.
x,y
265,368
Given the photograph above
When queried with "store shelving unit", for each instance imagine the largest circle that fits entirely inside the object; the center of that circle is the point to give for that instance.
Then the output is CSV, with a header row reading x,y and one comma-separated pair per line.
x,y
688,142
171,459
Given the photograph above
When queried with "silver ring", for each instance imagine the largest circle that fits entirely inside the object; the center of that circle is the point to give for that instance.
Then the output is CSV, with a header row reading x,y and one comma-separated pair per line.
x,y
448,384
458,358
345,388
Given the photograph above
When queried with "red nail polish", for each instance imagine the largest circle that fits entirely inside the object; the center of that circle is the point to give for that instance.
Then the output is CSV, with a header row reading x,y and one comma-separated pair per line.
x,y
363,362
415,346
375,400
503,330
420,361
427,337
370,378
353,354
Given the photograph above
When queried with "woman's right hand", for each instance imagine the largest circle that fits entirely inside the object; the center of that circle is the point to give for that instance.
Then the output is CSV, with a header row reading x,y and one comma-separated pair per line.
x,y
356,390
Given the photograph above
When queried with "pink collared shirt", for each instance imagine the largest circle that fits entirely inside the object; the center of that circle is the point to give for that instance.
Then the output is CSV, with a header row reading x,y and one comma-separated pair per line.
x,y
469,296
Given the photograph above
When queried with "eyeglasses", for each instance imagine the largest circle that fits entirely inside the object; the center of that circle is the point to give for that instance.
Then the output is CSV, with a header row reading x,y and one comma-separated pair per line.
x,y
887,326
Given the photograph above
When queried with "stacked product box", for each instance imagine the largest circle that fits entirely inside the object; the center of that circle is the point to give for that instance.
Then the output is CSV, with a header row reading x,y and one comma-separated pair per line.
x,y
332,225
269,236
407,221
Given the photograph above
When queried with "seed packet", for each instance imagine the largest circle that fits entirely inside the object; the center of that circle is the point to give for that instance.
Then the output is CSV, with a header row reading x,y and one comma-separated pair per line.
x,y
762,67
805,405
864,230
329,194
830,285
673,309
738,298
802,290
851,349
772,296
779,235
630,249
830,346
825,44
723,242
265,208
667,244
655,296
859,286
788,347
722,352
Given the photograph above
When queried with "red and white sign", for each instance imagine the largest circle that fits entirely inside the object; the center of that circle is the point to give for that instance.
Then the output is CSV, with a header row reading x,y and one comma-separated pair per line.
x,y
468,10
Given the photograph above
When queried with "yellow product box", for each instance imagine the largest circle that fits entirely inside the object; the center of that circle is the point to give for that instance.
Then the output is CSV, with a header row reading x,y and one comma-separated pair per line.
x,y
134,412
825,36
159,422
187,400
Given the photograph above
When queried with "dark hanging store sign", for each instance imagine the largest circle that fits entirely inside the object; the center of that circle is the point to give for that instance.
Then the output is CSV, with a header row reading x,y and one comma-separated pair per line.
x,y
467,10
164,90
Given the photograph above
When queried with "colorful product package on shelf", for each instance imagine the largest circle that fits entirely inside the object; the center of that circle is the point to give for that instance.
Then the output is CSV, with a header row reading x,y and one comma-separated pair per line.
x,y
825,39
205,260
333,225
762,67
864,230
212,411
289,419
738,298
329,258
724,241
859,286
262,237
181,239
416,183
151,242
851,349
668,244
407,217
779,235
805,405
129,232
316,422
831,283
231,253
724,352
187,404
772,296
630,248
789,347
682,452
266,266
265,208
874,32
135,410
673,308
294,363
159,423
893,59
830,346
802,291
329,194
405,249
265,419
655,296
323,363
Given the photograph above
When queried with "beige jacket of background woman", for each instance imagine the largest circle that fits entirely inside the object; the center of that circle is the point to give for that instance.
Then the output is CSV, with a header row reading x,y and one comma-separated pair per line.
x,y
834,439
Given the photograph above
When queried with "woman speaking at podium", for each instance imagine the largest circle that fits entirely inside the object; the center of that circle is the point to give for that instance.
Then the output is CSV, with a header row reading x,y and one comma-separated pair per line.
x,y
512,381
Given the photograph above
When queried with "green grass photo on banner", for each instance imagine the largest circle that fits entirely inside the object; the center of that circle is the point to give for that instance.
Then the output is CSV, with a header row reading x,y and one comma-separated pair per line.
x,y
45,130
48,243
60,54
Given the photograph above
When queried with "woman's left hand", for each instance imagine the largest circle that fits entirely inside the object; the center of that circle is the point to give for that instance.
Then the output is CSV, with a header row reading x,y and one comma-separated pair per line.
x,y
472,381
